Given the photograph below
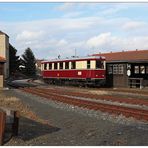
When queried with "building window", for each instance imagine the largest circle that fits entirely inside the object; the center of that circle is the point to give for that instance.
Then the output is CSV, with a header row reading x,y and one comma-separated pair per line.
x,y
110,69
115,69
88,64
73,65
142,69
61,65
50,65
66,65
55,65
136,70
118,69
1,70
45,66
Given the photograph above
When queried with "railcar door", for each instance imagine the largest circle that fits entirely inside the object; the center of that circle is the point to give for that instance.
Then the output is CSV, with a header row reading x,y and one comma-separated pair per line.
x,y
88,70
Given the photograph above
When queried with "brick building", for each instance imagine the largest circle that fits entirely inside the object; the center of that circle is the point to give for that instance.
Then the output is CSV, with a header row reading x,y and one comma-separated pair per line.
x,y
127,68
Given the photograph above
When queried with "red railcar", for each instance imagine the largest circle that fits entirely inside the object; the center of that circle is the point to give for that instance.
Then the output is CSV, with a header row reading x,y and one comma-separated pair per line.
x,y
82,71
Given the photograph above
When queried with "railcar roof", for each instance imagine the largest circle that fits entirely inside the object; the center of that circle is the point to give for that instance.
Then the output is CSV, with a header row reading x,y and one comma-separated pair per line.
x,y
75,59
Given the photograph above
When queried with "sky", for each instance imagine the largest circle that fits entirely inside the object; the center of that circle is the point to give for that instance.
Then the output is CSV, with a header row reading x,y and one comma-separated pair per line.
x,y
52,29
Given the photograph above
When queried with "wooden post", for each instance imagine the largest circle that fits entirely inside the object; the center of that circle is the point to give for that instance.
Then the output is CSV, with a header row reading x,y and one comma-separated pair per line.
x,y
2,126
15,124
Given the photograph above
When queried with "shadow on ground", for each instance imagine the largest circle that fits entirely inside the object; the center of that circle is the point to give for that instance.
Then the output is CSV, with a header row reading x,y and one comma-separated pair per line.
x,y
30,129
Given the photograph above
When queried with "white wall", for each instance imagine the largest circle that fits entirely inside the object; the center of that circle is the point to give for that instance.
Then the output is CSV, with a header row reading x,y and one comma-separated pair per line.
x,y
4,52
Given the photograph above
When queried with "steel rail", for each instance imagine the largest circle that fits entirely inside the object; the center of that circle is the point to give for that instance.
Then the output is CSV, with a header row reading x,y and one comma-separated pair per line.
x,y
134,101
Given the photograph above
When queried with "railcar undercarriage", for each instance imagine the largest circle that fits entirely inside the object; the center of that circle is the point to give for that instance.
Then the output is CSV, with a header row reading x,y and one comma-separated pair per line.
x,y
76,82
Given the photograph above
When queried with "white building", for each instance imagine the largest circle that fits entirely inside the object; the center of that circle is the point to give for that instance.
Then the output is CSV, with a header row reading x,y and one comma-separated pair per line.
x,y
4,52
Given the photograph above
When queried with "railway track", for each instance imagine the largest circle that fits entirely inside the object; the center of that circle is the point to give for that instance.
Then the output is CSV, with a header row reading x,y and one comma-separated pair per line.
x,y
98,97
140,92
139,114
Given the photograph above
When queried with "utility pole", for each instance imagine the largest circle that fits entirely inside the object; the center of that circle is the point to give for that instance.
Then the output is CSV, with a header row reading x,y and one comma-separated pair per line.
x,y
75,52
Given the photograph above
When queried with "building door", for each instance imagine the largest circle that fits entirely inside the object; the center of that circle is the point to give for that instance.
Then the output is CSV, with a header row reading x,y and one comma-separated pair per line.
x,y
109,75
120,78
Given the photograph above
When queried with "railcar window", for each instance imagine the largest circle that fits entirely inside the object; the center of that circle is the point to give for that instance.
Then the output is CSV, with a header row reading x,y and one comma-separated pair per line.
x,y
66,65
50,65
55,65
61,65
136,69
99,64
45,66
73,65
88,64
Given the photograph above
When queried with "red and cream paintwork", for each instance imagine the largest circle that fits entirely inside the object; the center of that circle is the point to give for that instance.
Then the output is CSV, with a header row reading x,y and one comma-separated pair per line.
x,y
81,70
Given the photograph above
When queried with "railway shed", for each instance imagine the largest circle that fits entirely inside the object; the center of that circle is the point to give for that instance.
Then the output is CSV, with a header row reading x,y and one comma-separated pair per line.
x,y
126,68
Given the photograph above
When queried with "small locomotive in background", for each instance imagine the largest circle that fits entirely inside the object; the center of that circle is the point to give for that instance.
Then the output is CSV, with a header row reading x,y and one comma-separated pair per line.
x,y
77,71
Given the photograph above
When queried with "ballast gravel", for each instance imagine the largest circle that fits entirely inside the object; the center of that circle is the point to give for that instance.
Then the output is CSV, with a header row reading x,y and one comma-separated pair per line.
x,y
71,125
86,112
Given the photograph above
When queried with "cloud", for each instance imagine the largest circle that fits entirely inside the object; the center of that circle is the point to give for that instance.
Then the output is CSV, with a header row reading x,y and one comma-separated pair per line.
x,y
99,40
72,14
131,25
114,9
65,6
50,37
107,42
28,35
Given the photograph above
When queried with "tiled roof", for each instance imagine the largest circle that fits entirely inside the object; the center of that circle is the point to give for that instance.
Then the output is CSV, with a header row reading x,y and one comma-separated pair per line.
x,y
2,59
136,55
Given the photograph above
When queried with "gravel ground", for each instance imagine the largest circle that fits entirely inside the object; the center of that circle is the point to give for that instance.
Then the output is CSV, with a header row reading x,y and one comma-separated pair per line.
x,y
74,126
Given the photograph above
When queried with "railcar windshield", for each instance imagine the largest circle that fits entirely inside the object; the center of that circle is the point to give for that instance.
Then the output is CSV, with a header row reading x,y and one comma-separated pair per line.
x,y
99,64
